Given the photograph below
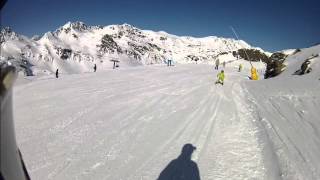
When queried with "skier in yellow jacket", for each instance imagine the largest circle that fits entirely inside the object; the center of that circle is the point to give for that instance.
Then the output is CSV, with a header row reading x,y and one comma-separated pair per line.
x,y
254,74
220,77
240,68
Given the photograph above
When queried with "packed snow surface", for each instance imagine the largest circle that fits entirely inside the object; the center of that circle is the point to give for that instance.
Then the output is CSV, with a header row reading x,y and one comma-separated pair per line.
x,y
131,123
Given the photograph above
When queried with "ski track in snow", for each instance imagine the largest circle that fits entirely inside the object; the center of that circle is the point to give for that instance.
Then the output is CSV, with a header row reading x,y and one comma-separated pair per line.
x,y
129,124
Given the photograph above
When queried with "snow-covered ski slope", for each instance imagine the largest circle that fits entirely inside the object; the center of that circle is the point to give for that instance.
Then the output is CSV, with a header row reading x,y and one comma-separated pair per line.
x,y
131,123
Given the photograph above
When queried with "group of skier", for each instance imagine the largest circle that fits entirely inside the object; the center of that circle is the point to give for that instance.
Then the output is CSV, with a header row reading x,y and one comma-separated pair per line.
x,y
221,75
94,70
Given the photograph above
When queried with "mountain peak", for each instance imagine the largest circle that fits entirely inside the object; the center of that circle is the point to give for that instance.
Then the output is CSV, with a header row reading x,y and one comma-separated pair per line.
x,y
6,30
127,26
7,34
77,26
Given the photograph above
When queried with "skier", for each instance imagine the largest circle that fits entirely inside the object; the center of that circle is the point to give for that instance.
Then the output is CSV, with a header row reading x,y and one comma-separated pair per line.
x,y
217,64
169,62
95,67
254,74
57,73
220,78
240,67
224,64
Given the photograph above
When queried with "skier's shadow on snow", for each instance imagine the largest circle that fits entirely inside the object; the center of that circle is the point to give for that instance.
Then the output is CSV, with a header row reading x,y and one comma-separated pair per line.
x,y
182,168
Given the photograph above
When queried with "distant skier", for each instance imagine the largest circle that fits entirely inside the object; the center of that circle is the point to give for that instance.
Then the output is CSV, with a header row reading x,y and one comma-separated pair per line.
x,y
254,74
224,64
217,64
57,73
95,67
169,62
240,67
220,79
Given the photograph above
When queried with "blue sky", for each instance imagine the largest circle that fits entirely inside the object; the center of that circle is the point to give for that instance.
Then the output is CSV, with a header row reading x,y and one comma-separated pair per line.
x,y
272,25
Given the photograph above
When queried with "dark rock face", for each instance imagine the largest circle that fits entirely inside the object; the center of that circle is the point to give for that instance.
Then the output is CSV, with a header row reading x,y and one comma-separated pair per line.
x,y
139,49
154,46
275,65
80,26
77,26
192,57
64,53
133,54
75,36
254,55
67,30
108,45
130,31
296,51
163,38
278,56
274,68
306,66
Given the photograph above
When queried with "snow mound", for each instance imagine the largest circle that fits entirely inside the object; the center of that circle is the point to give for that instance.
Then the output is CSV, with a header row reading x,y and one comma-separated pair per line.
x,y
294,62
287,107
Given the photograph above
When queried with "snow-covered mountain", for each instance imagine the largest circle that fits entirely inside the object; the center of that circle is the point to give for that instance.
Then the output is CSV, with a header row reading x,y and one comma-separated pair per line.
x,y
75,47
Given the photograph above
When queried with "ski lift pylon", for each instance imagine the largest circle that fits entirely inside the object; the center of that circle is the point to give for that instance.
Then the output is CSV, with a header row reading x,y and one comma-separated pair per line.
x,y
254,73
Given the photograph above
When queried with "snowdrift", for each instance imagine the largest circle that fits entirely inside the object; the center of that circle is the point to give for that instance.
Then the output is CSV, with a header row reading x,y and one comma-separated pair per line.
x,y
288,109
